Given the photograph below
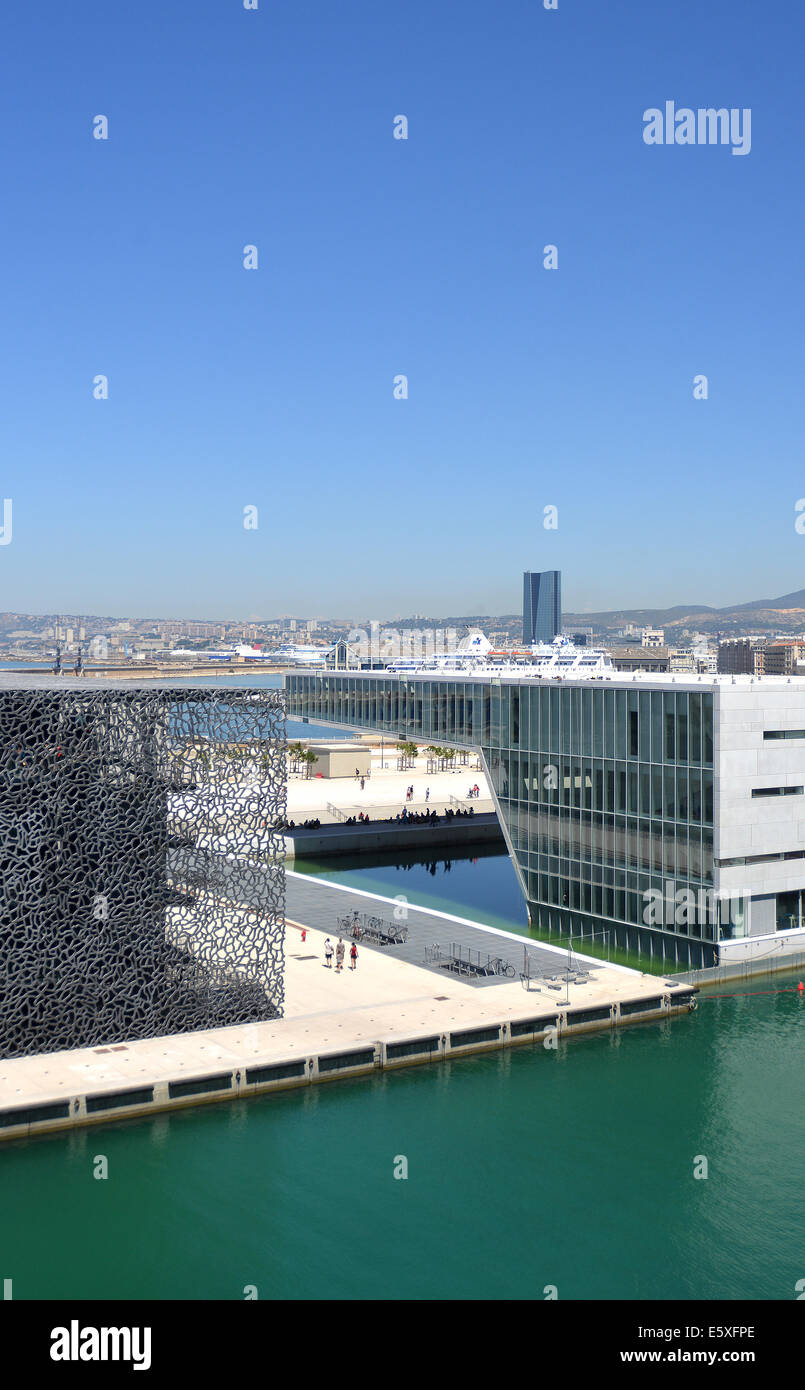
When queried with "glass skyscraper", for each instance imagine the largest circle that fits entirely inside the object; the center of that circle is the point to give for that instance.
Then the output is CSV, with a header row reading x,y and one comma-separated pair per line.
x,y
542,606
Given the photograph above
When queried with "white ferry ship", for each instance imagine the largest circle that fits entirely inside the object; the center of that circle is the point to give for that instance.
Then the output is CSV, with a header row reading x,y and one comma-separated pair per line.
x,y
299,656
475,654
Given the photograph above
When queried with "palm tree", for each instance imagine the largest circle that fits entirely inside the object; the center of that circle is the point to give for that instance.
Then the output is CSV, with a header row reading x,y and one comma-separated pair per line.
x,y
444,756
296,753
308,757
408,752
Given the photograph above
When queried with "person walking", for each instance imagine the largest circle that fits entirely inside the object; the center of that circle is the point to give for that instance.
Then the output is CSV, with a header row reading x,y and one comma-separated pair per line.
x,y
328,953
339,955
361,784
353,956
427,793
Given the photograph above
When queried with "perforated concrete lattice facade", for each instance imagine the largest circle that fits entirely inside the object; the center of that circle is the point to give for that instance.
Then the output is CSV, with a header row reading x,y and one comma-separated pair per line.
x,y
143,879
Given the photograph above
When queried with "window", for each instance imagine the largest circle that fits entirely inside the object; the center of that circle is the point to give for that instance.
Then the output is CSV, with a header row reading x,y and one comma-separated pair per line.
x,y
633,744
759,859
682,728
670,720
695,728
707,728
777,791
707,797
789,910
784,733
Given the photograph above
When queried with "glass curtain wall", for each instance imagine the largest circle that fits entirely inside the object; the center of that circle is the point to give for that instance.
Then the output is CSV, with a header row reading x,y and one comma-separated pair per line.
x,y
607,792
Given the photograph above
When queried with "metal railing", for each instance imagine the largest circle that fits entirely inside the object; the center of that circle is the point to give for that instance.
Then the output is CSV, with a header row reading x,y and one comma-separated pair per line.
x,y
364,926
462,960
533,974
737,970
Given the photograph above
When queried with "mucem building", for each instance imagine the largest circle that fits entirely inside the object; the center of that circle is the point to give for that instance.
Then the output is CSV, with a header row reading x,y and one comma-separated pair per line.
x,y
142,871
661,815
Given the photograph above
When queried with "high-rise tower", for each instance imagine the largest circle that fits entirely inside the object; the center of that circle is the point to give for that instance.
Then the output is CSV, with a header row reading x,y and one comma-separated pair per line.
x,y
542,606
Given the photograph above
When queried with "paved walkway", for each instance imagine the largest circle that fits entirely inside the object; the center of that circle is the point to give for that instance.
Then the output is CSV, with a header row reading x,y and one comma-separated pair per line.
x,y
318,903
384,792
387,999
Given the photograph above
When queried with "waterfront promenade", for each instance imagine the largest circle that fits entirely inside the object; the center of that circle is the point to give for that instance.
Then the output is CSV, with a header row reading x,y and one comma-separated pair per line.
x,y
391,1011
383,794
334,802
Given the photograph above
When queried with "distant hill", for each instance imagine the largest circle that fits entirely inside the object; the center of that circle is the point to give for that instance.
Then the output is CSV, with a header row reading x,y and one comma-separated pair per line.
x,y
785,614
795,600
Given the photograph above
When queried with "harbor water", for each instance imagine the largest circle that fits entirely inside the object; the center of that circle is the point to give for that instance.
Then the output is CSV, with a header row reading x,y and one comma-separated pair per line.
x,y
530,1168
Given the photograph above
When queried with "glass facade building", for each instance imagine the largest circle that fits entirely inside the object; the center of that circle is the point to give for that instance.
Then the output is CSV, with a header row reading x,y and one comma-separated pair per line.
x,y
542,606
605,792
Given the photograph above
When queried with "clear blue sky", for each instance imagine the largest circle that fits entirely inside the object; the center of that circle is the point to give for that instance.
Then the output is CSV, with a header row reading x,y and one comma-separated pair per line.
x,y
527,387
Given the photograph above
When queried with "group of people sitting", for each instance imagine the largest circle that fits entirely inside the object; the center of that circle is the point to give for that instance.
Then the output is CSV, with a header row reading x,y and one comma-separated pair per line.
x,y
405,816
410,817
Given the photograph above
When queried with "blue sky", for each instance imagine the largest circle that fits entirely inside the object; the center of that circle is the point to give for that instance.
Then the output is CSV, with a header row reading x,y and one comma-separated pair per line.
x,y
377,256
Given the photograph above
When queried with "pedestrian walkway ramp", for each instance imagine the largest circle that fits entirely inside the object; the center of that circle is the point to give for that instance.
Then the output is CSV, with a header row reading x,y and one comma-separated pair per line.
x,y
480,955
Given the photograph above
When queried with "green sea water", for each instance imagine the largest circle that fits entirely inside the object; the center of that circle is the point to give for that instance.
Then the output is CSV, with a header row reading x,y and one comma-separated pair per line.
x,y
526,1169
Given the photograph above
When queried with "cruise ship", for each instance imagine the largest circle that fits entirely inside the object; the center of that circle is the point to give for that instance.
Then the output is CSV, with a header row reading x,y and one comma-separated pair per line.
x,y
475,654
292,655
289,654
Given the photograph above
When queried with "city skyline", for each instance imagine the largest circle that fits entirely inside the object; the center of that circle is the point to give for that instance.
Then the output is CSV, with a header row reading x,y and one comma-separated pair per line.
x,y
782,603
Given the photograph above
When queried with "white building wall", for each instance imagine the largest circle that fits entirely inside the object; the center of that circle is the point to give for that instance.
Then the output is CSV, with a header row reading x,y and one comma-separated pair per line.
x,y
744,760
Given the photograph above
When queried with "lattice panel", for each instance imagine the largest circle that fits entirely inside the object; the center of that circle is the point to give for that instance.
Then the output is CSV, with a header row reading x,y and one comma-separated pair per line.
x,y
143,883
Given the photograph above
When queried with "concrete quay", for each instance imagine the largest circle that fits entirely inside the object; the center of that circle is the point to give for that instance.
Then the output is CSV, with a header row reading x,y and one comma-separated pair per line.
x,y
387,1013
151,671
148,671
378,835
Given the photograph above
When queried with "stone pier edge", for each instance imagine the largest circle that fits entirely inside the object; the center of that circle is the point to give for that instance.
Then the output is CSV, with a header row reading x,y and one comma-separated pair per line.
x,y
251,1079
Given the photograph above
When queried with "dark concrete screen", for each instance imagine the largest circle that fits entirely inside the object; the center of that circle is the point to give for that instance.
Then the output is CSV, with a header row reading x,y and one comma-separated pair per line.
x,y
142,872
